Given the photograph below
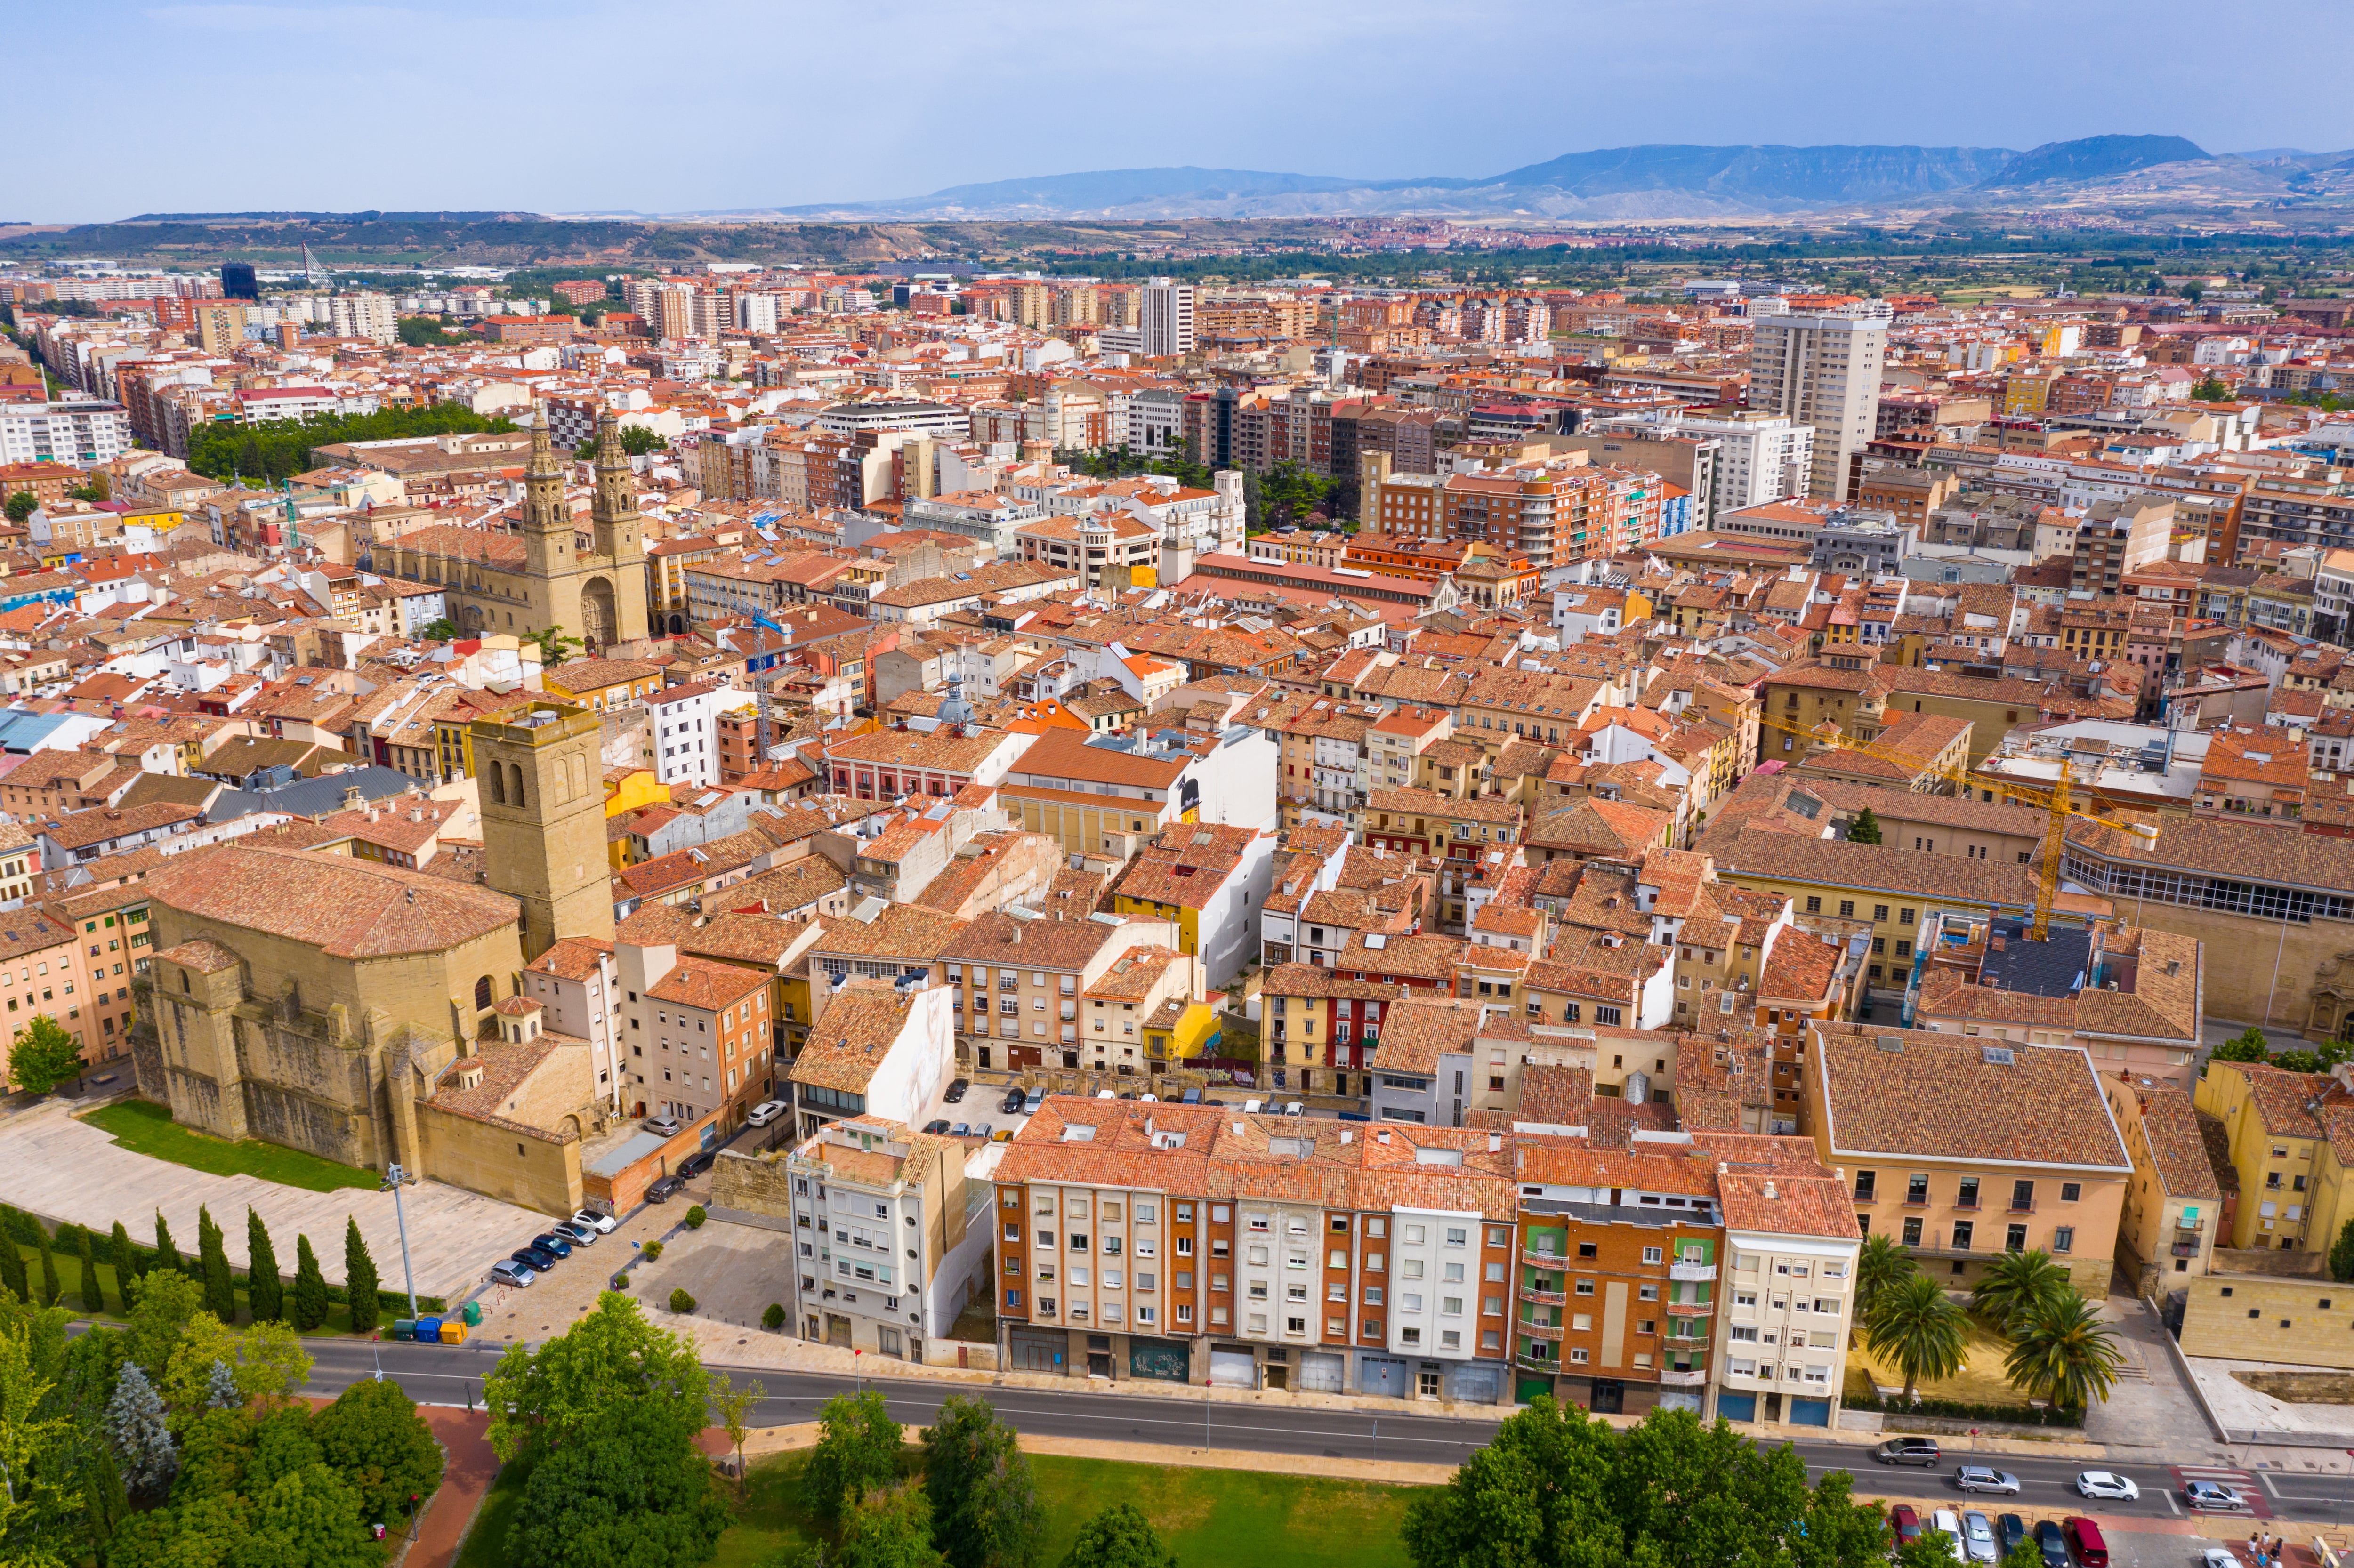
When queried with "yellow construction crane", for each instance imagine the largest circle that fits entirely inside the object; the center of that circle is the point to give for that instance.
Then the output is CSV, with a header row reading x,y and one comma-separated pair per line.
x,y
2054,803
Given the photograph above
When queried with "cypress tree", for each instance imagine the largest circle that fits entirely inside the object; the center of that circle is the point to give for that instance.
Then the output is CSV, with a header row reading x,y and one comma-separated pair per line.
x,y
12,1270
93,1299
307,1307
50,1290
359,1279
220,1288
166,1254
264,1292
125,1258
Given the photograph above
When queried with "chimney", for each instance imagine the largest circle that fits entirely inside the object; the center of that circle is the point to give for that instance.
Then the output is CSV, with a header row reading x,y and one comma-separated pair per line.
x,y
1769,1189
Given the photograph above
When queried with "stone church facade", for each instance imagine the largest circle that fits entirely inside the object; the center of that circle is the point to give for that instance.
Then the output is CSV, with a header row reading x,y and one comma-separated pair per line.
x,y
547,573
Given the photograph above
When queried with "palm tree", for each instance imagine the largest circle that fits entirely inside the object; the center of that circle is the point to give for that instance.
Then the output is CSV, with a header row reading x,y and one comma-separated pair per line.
x,y
1915,1326
2016,1284
1881,1265
2062,1352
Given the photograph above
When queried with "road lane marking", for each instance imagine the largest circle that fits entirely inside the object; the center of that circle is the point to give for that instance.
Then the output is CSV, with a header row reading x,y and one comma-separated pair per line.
x,y
2172,1506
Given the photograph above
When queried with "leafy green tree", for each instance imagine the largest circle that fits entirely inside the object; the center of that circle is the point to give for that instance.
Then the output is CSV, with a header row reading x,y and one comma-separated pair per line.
x,y
1880,1264
267,1363
1918,1329
733,1405
220,1387
39,1504
125,1258
888,1528
2016,1283
212,1255
442,631
13,1277
986,1512
2026,1555
1122,1537
2062,1352
636,441
1556,1489
2342,1256
633,1489
2301,1060
554,646
265,1293
166,1254
425,332
44,1055
2248,1045
307,1307
2210,389
50,1290
545,1400
21,505
143,1443
1865,828
359,1279
372,1436
274,450
162,1305
93,1299
858,1447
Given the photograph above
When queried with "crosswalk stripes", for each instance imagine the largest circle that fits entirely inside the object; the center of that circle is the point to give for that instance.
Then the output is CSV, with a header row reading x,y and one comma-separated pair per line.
x,y
2244,1482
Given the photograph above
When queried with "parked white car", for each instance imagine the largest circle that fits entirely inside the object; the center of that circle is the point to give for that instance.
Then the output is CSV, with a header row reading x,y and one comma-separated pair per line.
x,y
764,1113
602,1225
1949,1521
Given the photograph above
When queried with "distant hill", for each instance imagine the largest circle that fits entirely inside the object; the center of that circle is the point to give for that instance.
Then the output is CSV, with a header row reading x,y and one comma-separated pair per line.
x,y
1653,180
1804,176
2093,158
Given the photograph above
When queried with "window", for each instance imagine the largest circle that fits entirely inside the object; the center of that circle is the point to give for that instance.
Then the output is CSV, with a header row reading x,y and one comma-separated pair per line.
x,y
1653,1255
2063,1238
2022,1194
2071,1190
1916,1189
1912,1230
1864,1181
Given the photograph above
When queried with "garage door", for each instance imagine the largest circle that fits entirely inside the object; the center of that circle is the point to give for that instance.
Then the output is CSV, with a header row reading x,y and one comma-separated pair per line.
x,y
1324,1373
1384,1378
1234,1369
1474,1385
1164,1360
1811,1412
1737,1407
1035,1351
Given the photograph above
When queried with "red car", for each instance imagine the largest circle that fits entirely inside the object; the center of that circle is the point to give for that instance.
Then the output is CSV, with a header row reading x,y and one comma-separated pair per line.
x,y
1905,1523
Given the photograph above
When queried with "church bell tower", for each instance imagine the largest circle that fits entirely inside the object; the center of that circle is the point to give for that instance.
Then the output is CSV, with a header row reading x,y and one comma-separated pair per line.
x,y
620,531
546,519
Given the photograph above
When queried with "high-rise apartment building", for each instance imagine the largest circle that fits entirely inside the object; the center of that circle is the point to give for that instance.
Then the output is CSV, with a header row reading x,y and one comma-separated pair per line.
x,y
1168,317
219,327
367,315
1822,368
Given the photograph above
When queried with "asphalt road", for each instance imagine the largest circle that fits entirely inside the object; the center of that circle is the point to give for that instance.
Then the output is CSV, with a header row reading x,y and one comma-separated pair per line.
x,y
453,1374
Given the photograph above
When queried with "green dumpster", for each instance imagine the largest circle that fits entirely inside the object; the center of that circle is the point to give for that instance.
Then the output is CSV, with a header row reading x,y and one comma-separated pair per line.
x,y
404,1328
473,1314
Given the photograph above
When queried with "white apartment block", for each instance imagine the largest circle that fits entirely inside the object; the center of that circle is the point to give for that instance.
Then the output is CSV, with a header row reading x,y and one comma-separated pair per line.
x,y
82,433
1168,317
576,982
887,1247
1823,368
685,725
1789,1302
367,315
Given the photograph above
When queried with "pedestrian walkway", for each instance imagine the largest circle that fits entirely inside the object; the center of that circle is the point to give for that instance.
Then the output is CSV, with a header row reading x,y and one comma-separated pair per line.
x,y
62,1169
466,1479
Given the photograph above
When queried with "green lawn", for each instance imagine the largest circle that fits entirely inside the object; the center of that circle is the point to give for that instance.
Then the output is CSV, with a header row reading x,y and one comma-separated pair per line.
x,y
1214,1519
145,1128
339,1316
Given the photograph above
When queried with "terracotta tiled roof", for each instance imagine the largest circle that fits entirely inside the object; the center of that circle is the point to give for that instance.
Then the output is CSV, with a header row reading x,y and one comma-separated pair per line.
x,y
1939,1096
348,909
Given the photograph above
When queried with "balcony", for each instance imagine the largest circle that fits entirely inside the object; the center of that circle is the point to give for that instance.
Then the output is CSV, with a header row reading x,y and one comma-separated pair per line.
x,y
1546,1364
1551,1262
1702,1272
1670,1378
1544,1298
2184,1249
1690,1309
1539,1330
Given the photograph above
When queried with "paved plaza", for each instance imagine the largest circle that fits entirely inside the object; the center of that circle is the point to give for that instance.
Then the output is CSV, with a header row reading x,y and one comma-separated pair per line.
x,y
62,1169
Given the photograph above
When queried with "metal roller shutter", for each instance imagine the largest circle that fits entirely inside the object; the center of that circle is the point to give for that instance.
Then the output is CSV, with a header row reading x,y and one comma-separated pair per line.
x,y
1323,1373
1232,1369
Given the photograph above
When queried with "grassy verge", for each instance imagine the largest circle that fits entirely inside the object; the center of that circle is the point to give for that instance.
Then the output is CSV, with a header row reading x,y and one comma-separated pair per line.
x,y
145,1128
486,1543
339,1316
1209,1517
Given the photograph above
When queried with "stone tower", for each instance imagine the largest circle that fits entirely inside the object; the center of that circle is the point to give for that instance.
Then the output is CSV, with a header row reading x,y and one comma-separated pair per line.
x,y
619,529
542,789
546,519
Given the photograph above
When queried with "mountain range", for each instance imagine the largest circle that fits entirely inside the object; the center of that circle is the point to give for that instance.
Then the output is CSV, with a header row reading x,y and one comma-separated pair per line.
x,y
1652,181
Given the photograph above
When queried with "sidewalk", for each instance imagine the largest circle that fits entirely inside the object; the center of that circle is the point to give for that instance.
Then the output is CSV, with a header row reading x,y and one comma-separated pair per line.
x,y
465,1481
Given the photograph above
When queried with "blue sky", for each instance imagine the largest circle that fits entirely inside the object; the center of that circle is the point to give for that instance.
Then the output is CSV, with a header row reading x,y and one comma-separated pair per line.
x,y
722,103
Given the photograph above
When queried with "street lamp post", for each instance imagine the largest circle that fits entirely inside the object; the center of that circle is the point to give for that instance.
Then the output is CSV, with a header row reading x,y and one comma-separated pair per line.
x,y
394,1178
